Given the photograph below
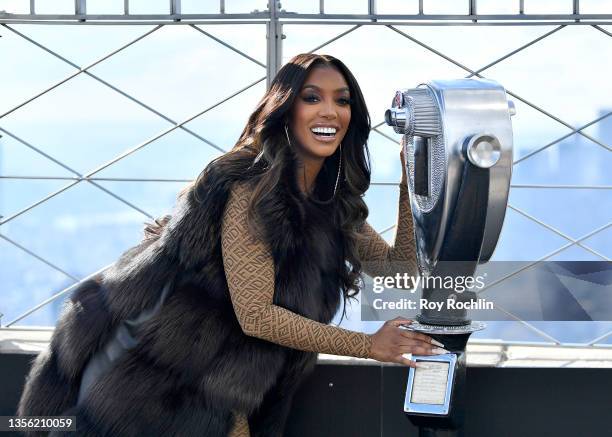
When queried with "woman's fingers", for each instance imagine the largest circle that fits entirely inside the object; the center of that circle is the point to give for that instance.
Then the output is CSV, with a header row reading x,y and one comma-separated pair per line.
x,y
403,359
399,321
420,343
407,360
421,337
411,342
421,348
393,344
427,350
416,335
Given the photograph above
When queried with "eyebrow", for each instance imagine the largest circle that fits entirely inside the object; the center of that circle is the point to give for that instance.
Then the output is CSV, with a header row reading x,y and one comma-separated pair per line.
x,y
318,89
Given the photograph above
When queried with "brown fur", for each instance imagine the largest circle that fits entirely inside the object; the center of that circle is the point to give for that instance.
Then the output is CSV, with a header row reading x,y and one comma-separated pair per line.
x,y
193,365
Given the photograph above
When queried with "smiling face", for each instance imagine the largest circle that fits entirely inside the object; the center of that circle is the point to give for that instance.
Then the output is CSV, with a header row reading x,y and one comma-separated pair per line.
x,y
321,114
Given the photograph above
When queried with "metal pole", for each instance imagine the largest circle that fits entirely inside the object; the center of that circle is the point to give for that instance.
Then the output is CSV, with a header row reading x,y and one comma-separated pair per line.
x,y
175,8
372,8
80,7
274,35
576,9
473,9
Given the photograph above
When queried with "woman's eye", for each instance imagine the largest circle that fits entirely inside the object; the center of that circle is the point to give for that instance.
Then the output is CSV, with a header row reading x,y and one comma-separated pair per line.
x,y
310,98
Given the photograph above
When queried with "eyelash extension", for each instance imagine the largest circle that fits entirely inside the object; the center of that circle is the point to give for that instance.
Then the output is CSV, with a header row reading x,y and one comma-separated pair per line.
x,y
309,97
312,97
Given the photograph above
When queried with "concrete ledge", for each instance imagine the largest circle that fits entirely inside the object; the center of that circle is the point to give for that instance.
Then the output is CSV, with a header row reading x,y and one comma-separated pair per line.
x,y
480,353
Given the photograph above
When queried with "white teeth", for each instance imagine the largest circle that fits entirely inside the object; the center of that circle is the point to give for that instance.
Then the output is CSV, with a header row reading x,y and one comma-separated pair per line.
x,y
323,130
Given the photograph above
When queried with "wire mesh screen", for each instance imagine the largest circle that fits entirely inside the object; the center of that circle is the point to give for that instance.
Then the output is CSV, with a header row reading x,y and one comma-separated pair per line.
x,y
101,124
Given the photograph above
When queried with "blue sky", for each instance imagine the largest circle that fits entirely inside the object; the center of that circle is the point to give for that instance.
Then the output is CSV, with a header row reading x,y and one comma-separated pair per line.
x,y
180,71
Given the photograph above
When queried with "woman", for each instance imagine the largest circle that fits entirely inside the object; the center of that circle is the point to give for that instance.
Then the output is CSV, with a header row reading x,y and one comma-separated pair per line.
x,y
256,256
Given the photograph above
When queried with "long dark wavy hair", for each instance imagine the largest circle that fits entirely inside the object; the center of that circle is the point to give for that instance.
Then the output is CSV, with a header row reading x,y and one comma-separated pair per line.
x,y
262,154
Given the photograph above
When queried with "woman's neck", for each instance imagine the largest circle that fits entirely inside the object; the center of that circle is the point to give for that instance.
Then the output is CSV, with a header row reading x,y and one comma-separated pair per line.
x,y
308,170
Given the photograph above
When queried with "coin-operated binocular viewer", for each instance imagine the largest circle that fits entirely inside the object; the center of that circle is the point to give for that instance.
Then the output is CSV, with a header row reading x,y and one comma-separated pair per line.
x,y
458,153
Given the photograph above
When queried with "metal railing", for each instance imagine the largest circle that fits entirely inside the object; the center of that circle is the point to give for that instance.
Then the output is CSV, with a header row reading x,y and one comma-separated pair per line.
x,y
274,18
420,15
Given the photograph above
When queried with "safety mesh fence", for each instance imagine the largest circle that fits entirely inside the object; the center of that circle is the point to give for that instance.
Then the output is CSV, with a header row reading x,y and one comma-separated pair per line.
x,y
103,124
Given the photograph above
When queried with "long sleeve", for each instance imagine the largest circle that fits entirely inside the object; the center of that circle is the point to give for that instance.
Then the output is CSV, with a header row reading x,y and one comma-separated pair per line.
x,y
249,269
378,258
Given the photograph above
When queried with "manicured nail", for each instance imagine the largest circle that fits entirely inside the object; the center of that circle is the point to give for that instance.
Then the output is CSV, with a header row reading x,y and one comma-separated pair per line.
x,y
439,350
436,342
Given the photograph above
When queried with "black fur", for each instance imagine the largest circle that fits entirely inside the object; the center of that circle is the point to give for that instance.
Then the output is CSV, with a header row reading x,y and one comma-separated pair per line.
x,y
193,366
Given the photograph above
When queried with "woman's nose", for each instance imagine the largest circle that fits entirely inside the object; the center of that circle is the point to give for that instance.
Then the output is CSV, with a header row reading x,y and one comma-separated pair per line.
x,y
327,110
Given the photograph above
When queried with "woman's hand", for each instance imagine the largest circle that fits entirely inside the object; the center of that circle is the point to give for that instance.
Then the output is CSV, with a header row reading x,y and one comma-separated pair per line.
x,y
390,342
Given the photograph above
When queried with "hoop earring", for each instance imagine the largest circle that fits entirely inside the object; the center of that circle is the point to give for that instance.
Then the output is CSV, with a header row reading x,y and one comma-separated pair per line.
x,y
339,166
339,170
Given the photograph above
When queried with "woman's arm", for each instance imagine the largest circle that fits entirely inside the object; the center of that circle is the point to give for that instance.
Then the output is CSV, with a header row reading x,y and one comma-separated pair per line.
x,y
249,269
377,257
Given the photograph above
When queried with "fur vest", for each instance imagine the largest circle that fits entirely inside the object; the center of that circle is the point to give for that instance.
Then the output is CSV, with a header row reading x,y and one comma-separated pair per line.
x,y
193,366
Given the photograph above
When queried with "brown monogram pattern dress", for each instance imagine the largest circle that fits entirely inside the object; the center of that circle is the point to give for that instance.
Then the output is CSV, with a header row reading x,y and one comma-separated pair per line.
x,y
249,269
